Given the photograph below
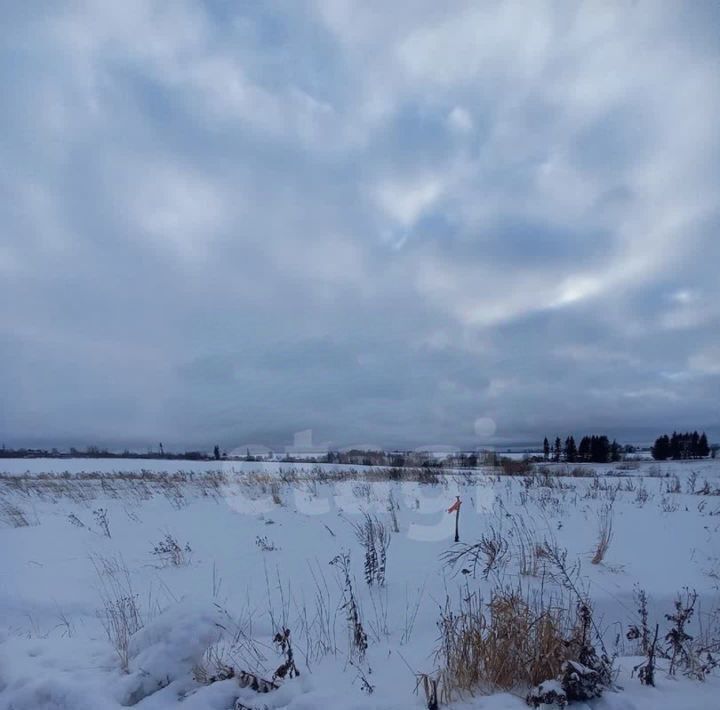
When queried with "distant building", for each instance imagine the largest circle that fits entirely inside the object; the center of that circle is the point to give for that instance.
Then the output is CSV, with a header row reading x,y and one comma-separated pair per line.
x,y
303,447
303,439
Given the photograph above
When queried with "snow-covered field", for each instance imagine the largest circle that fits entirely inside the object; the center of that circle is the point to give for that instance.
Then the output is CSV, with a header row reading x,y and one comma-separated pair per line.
x,y
206,563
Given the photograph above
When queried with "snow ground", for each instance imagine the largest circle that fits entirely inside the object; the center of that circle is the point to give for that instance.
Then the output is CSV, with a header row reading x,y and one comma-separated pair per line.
x,y
259,551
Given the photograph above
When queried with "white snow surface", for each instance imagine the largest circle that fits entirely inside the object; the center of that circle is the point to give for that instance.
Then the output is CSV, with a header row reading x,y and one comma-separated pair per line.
x,y
259,543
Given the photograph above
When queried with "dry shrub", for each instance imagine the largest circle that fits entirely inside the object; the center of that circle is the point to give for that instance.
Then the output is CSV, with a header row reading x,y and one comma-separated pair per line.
x,y
358,640
513,467
695,654
517,639
673,485
170,553
375,540
362,490
641,494
265,544
490,554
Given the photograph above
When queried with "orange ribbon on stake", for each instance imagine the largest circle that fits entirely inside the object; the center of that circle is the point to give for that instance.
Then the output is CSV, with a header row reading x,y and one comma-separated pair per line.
x,y
455,508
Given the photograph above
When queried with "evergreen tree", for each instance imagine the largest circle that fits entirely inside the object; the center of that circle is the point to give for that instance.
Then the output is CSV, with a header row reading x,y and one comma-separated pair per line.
x,y
558,448
694,445
571,451
615,452
703,448
661,449
675,447
599,449
216,452
546,448
687,445
603,449
584,450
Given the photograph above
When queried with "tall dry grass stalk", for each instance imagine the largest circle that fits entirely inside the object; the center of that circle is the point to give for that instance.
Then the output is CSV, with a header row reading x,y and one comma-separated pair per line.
x,y
120,615
374,538
358,640
605,533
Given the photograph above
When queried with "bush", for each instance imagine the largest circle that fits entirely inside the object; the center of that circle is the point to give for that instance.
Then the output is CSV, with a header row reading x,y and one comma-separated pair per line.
x,y
513,467
694,655
490,553
265,544
582,679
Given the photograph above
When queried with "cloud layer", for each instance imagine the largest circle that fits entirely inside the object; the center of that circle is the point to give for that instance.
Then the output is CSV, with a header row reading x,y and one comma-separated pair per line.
x,y
228,222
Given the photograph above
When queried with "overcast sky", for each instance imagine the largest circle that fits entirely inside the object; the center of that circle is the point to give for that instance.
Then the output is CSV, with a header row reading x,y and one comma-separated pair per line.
x,y
399,223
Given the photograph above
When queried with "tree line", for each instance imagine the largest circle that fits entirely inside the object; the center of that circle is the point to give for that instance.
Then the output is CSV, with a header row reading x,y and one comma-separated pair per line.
x,y
593,449
680,446
97,452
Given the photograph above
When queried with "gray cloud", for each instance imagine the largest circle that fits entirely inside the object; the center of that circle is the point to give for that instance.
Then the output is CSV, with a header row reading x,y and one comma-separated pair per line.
x,y
230,223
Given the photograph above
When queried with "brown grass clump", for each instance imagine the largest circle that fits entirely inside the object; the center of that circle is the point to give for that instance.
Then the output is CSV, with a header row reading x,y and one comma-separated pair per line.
x,y
513,641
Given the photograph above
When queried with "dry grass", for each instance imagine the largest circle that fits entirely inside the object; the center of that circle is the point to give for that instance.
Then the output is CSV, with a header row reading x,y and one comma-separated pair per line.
x,y
85,487
181,487
605,534
275,493
120,615
12,515
517,639
528,550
